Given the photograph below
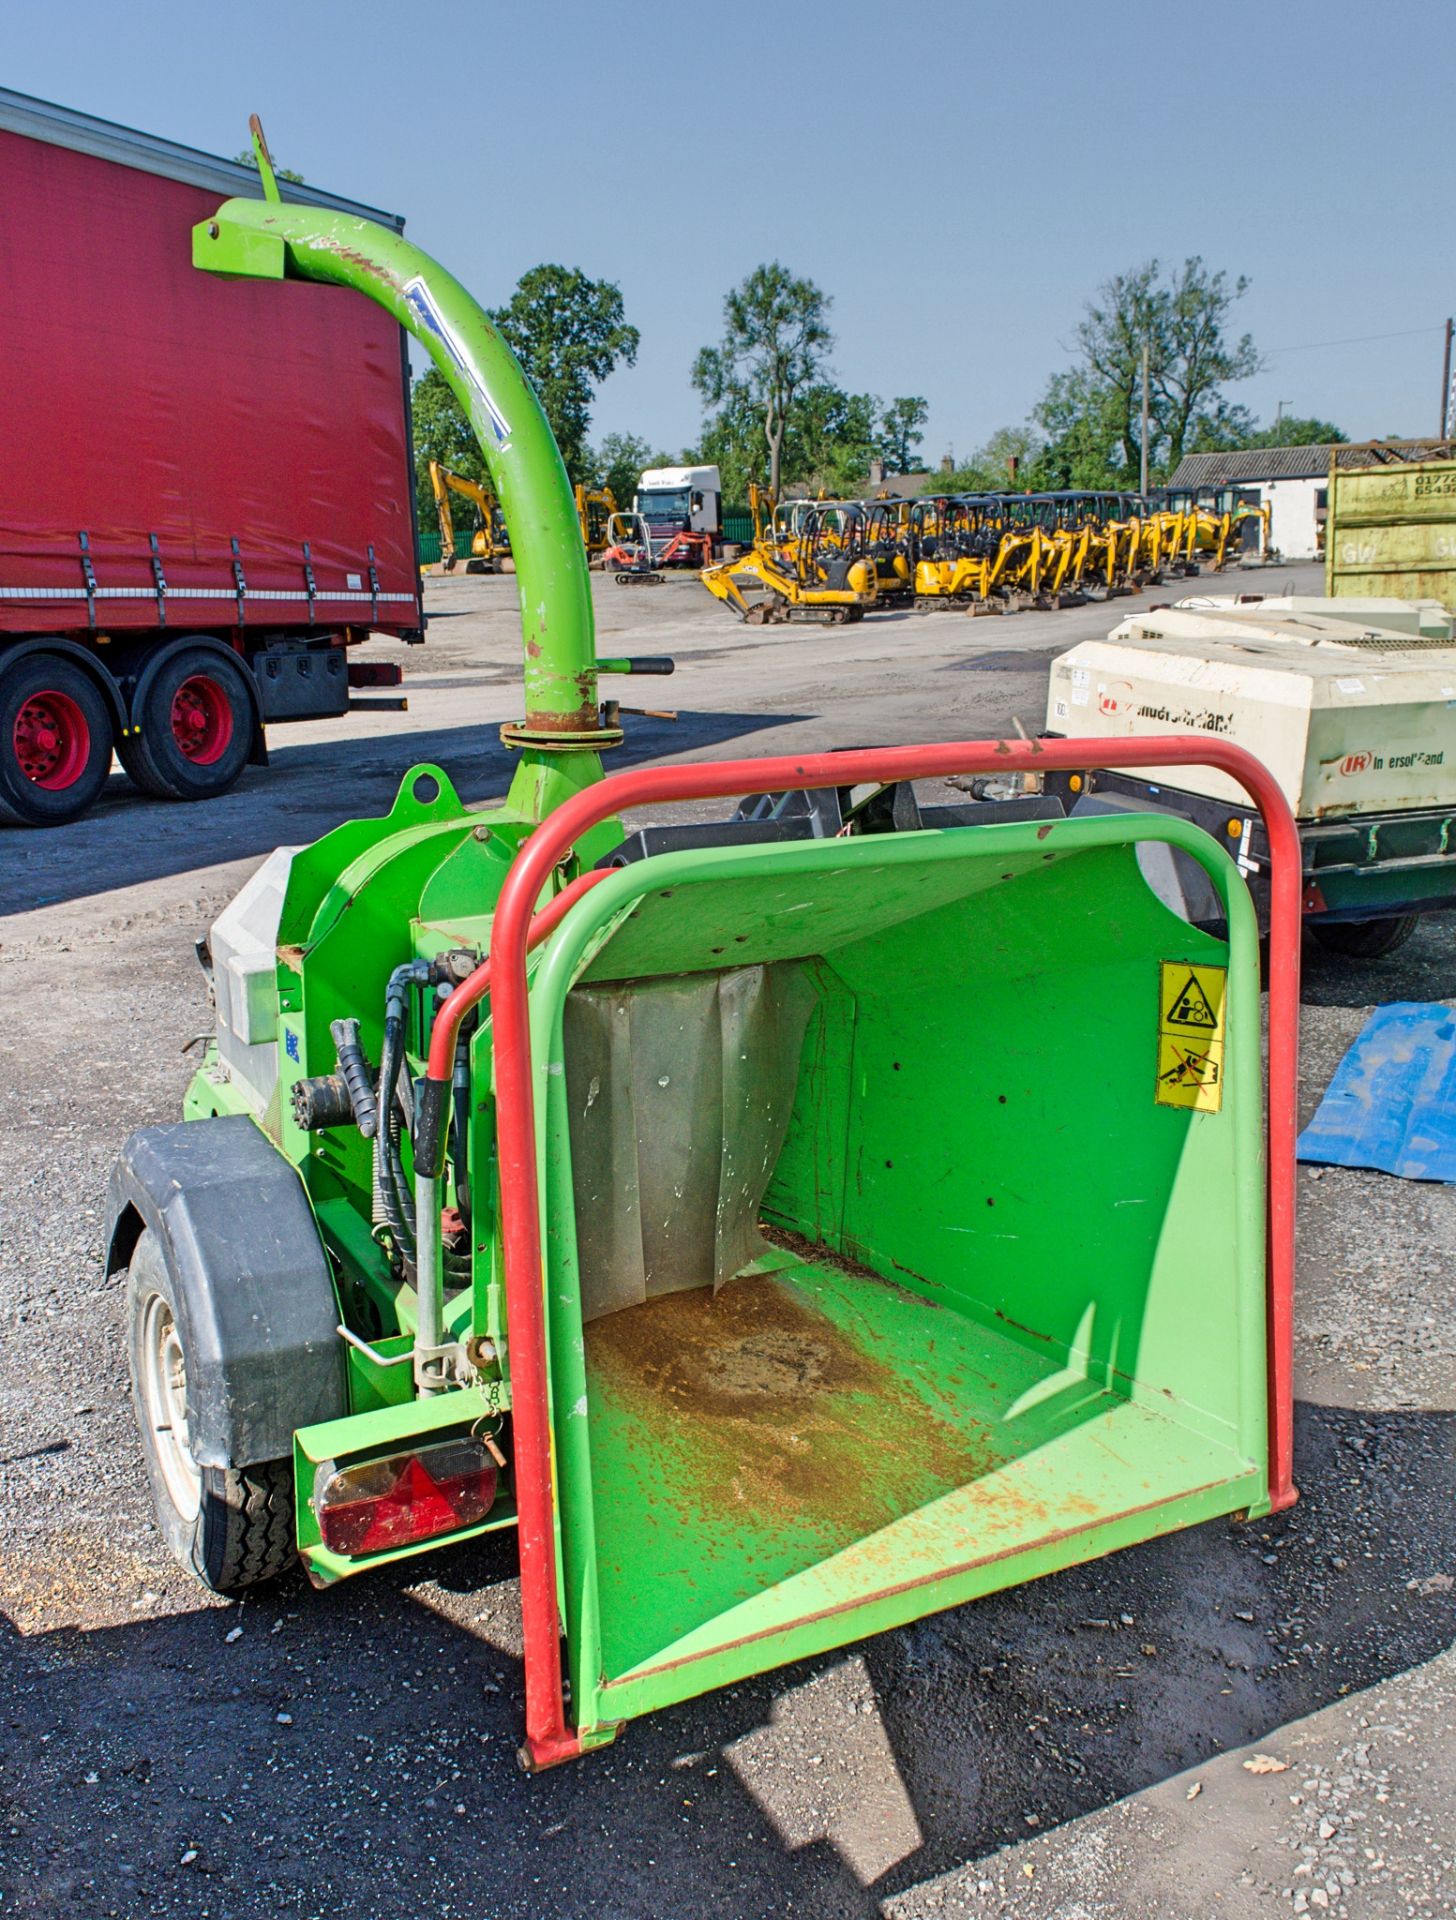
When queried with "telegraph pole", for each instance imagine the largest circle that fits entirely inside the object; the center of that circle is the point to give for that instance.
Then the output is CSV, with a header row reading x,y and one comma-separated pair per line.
x,y
1446,386
1144,462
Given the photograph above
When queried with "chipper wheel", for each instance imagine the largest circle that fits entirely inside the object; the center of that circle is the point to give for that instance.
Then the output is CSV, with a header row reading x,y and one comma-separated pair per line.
x,y
232,1527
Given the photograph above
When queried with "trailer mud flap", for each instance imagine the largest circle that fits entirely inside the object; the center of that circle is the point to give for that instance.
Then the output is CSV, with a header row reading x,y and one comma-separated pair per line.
x,y
255,1296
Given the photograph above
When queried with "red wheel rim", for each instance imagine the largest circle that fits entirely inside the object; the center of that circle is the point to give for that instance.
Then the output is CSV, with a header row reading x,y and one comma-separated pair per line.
x,y
202,720
51,740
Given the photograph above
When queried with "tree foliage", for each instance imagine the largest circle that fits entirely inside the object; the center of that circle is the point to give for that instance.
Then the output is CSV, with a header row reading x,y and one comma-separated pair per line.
x,y
441,432
1294,430
568,332
990,469
833,438
1090,413
620,461
902,428
776,342
250,159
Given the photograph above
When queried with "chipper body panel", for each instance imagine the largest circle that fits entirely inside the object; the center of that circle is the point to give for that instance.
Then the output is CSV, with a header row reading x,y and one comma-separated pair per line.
x,y
981,1339
788,1226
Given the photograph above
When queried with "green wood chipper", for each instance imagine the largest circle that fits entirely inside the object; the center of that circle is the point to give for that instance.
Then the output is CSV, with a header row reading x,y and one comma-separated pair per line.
x,y
789,1224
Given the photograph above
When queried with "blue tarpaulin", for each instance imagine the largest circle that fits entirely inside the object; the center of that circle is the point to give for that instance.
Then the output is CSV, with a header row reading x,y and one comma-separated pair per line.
x,y
1392,1102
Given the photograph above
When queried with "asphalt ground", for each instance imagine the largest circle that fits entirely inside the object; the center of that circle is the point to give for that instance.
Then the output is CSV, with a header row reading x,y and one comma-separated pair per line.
x,y
1076,1748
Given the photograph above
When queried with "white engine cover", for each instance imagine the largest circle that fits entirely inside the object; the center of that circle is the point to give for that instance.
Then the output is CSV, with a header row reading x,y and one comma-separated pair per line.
x,y
1348,719
244,943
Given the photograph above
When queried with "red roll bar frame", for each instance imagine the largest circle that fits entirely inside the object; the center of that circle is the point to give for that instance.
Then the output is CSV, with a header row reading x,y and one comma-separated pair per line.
x,y
515,931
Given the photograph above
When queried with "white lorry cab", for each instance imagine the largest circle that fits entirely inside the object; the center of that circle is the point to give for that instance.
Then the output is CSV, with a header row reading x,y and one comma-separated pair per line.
x,y
681,500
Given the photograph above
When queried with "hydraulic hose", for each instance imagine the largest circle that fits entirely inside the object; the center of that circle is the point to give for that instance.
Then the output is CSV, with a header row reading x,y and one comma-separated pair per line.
x,y
432,1094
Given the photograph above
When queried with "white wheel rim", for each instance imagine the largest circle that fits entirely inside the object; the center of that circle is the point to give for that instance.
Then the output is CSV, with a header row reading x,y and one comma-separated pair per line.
x,y
164,1396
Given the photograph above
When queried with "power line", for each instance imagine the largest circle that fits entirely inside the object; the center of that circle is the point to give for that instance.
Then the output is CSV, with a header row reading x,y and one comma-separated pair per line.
x,y
1356,340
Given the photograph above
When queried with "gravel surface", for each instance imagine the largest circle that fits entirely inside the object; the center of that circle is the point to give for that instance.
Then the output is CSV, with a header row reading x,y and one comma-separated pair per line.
x,y
1237,1720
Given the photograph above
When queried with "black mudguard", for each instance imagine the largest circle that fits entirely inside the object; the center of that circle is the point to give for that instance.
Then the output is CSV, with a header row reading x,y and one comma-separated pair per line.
x,y
254,1292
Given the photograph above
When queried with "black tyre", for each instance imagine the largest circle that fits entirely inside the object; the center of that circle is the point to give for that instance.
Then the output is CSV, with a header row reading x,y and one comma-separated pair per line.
x,y
55,741
1365,939
195,727
232,1527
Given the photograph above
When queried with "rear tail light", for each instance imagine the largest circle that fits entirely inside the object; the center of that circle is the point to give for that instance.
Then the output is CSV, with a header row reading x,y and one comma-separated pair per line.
x,y
403,1498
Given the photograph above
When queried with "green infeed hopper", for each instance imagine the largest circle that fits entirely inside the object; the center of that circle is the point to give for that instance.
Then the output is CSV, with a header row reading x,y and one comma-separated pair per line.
x,y
788,1225
883,1266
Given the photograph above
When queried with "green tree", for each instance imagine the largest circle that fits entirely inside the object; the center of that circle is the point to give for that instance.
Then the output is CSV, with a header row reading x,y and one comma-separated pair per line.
x,y
250,159
776,341
1084,424
620,462
732,441
1091,413
902,428
1197,359
441,432
989,469
1294,430
832,439
569,333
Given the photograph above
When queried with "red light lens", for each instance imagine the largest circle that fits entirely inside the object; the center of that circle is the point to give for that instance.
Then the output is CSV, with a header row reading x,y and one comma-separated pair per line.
x,y
404,1498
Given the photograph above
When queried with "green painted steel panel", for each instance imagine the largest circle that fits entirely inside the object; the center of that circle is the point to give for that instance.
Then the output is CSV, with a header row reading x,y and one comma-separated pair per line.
x,y
1392,530
1015,1315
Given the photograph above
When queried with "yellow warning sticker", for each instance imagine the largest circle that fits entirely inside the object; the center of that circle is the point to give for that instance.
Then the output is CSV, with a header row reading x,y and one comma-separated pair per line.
x,y
1190,1036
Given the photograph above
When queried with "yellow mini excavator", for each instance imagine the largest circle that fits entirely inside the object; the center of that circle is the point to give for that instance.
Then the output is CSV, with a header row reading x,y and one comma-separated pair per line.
x,y
826,573
490,544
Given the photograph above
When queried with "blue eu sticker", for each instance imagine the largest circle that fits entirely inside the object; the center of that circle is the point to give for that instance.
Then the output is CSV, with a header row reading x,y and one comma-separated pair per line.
x,y
290,1043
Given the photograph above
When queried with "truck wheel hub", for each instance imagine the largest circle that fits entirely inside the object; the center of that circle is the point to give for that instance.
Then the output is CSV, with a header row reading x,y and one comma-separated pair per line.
x,y
202,720
52,741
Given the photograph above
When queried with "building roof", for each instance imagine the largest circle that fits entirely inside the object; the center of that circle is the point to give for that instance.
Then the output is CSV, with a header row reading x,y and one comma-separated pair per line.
x,y
901,486
1298,463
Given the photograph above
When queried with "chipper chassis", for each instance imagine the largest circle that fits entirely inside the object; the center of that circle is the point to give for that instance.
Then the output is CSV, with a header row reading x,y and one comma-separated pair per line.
x,y
712,1204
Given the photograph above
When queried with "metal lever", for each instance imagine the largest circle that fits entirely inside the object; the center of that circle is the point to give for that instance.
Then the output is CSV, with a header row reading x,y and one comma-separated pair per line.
x,y
653,663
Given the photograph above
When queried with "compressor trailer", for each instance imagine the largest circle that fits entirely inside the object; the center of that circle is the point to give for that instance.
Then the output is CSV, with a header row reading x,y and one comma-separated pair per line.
x,y
656,1195
1350,704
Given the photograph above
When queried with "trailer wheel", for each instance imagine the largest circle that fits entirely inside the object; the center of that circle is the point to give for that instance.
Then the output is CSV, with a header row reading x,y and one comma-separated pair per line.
x,y
55,742
1365,939
195,727
231,1526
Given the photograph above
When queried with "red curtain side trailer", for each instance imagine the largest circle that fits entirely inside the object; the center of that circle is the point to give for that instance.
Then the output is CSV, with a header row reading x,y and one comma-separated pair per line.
x,y
205,488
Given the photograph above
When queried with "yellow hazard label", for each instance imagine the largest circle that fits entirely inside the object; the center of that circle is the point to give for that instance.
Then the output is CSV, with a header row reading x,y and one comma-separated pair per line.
x,y
1190,1036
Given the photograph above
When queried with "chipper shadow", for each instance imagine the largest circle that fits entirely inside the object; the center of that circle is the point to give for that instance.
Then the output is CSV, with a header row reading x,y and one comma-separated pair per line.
x,y
403,1702
305,791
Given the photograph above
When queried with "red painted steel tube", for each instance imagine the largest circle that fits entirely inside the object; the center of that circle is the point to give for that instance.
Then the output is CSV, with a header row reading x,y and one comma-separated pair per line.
x,y
548,1738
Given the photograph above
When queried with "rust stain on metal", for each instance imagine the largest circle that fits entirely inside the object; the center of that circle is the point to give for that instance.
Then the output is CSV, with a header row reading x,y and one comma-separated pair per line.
x,y
374,268
1043,830
786,1416
573,720
940,1576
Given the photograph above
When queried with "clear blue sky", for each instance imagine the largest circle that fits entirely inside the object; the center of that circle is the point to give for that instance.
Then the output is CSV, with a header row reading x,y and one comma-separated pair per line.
x,y
958,176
